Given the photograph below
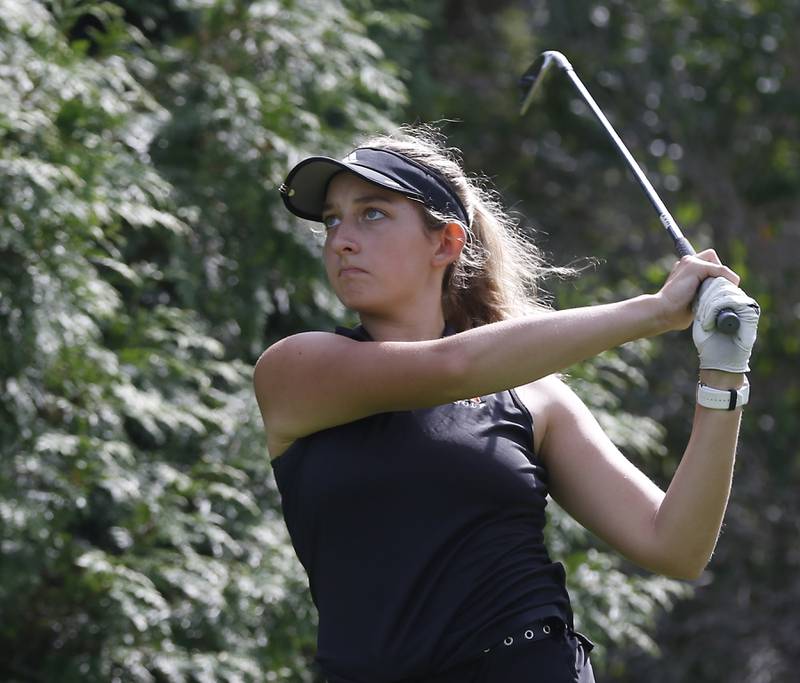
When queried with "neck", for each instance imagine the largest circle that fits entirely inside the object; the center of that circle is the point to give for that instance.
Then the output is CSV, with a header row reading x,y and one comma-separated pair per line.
x,y
399,328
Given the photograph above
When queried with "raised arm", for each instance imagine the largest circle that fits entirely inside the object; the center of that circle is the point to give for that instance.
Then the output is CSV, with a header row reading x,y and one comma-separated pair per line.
x,y
675,532
316,380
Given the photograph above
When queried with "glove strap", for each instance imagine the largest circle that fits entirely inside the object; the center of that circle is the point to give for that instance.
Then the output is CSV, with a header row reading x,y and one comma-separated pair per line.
x,y
723,399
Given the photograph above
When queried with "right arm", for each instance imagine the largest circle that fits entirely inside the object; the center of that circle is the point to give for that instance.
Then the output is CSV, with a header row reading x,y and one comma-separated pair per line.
x,y
315,380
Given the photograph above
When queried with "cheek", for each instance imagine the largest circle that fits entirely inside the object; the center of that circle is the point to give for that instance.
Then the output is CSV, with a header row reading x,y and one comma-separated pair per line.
x,y
328,258
412,255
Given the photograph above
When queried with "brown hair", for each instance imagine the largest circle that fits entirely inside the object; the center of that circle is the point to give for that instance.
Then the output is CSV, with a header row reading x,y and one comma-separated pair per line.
x,y
499,272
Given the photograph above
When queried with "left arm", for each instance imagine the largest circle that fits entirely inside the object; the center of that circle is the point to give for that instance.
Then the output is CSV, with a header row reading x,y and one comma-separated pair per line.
x,y
672,533
690,516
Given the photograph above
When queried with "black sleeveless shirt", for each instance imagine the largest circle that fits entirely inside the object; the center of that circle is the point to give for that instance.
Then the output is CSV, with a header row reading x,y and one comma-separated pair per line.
x,y
422,535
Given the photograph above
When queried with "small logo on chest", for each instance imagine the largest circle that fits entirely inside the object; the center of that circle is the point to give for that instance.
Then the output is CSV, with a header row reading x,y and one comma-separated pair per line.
x,y
470,402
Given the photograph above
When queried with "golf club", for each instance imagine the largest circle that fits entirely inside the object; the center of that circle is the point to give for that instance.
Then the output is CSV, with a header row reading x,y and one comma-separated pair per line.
x,y
727,320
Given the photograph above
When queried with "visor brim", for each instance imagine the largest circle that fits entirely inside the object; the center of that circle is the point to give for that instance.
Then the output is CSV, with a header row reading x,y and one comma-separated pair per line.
x,y
306,186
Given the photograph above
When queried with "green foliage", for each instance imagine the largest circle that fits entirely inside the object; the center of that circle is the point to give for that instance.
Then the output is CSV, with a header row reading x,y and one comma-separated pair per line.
x,y
142,250
267,83
703,95
145,262
140,540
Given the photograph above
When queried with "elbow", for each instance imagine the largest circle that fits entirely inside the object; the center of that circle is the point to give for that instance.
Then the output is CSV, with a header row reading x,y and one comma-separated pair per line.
x,y
687,573
678,554
693,570
684,569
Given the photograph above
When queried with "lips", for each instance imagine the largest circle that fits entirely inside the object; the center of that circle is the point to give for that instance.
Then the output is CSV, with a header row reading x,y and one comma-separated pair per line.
x,y
350,270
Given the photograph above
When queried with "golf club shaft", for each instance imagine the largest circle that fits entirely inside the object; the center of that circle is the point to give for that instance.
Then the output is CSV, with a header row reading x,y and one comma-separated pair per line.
x,y
682,245
727,320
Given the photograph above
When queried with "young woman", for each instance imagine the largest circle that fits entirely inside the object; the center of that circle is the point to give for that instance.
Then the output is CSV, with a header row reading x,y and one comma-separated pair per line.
x,y
415,452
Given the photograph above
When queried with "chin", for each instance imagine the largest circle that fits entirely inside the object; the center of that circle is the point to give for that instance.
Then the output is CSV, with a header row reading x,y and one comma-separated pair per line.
x,y
367,304
360,302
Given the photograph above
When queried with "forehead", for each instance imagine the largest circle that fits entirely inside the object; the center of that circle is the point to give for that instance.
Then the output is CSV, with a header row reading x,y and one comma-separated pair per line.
x,y
346,185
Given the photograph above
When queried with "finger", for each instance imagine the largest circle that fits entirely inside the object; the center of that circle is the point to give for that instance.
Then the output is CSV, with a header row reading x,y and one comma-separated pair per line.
x,y
727,273
709,255
712,266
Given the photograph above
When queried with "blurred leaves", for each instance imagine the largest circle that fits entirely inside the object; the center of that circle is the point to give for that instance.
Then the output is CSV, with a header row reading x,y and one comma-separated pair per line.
x,y
145,262
141,534
705,96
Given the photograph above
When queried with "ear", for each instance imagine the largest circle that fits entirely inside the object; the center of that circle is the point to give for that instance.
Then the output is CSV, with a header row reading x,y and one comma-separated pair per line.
x,y
451,240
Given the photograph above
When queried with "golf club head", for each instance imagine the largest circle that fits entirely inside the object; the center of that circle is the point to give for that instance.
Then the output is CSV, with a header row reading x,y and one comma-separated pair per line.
x,y
532,79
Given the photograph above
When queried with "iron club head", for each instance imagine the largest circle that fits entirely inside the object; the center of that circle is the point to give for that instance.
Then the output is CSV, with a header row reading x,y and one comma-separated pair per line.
x,y
533,77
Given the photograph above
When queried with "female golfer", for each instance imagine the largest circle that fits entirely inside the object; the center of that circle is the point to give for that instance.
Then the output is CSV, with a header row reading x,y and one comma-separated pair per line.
x,y
414,453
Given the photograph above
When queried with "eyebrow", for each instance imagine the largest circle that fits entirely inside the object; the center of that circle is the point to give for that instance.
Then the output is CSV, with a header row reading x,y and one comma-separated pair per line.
x,y
327,206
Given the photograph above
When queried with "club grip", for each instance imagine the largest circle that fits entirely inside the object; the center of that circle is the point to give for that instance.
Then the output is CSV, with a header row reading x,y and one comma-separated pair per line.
x,y
727,321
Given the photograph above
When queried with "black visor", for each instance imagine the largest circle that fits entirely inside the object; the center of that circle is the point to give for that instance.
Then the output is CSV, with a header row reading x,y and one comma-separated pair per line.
x,y
306,185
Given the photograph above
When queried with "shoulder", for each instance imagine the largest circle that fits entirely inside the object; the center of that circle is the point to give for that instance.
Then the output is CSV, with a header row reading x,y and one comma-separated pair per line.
x,y
317,380
549,400
295,343
280,356
279,370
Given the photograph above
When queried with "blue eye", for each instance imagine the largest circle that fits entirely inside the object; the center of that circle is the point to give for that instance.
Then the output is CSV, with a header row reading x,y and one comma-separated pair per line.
x,y
374,214
370,214
330,221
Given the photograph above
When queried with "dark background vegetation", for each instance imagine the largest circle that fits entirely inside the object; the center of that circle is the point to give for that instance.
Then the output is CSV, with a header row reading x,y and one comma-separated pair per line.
x,y
146,261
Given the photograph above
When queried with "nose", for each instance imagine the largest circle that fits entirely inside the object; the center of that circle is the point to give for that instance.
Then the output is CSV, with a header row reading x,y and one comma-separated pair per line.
x,y
343,239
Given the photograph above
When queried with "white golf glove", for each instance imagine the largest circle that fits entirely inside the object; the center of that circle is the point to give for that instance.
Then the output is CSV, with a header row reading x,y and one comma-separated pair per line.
x,y
720,351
